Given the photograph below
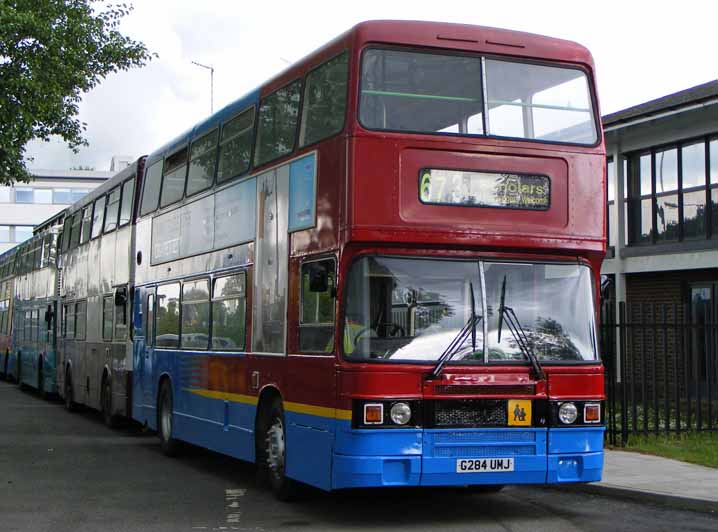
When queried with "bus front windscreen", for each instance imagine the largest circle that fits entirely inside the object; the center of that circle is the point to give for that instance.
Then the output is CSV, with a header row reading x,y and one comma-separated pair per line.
x,y
405,309
421,92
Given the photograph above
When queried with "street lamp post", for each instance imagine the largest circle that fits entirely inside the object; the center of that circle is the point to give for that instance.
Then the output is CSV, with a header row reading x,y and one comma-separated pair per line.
x,y
211,84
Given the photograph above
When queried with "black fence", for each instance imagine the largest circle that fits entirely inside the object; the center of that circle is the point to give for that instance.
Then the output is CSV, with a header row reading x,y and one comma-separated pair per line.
x,y
661,368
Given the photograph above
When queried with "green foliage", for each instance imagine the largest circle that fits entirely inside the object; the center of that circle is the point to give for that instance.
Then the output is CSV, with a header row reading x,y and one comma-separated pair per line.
x,y
695,447
51,52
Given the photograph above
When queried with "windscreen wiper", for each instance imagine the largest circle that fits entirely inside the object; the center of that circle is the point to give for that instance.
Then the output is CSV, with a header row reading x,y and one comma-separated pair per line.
x,y
469,328
518,332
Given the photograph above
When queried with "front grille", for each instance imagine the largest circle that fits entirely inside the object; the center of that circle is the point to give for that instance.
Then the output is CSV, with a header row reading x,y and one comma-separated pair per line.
x,y
486,389
484,451
469,413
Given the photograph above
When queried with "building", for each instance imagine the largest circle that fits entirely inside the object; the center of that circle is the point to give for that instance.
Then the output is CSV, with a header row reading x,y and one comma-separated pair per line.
x,y
25,205
663,244
663,173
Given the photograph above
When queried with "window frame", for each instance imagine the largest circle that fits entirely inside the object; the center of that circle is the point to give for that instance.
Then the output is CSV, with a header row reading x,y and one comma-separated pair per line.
x,y
145,182
105,228
165,172
208,301
257,164
300,317
123,190
302,112
214,298
216,130
255,109
590,78
179,315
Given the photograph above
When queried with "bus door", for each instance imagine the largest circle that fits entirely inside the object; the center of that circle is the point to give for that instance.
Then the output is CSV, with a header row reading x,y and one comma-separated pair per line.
x,y
144,356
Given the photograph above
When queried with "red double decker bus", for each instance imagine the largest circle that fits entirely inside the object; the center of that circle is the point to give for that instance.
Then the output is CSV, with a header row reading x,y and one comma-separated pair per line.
x,y
381,268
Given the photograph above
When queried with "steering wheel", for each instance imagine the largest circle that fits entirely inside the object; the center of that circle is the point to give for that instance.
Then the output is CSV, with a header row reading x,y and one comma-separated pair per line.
x,y
395,327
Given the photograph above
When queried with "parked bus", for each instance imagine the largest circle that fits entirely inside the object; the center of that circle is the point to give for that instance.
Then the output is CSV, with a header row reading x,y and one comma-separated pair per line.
x,y
95,344
381,267
7,291
35,309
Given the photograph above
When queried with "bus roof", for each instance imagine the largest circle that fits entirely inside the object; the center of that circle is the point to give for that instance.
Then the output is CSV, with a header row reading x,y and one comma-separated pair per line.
x,y
444,35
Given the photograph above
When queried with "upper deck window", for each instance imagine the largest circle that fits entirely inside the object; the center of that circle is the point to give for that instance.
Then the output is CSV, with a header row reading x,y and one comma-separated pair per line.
x,y
174,174
128,194
151,191
325,100
113,209
539,102
203,155
444,93
236,146
278,116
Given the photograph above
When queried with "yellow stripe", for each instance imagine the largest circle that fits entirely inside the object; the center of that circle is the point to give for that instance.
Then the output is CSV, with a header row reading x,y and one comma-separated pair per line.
x,y
225,396
297,408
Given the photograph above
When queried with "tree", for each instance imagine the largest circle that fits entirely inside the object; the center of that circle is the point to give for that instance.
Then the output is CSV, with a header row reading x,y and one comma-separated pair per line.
x,y
51,52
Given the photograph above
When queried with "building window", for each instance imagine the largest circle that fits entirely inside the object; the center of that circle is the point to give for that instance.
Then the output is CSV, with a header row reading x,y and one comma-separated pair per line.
x,y
5,233
43,195
668,193
23,195
23,233
5,195
62,196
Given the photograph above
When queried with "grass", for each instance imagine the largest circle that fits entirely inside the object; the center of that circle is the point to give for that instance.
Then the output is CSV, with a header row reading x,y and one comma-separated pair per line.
x,y
695,447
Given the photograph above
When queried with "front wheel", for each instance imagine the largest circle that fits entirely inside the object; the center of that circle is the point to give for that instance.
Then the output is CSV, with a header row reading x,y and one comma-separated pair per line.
x,y
165,421
273,447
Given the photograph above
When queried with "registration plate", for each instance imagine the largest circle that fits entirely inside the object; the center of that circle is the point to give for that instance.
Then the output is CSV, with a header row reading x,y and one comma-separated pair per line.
x,y
484,465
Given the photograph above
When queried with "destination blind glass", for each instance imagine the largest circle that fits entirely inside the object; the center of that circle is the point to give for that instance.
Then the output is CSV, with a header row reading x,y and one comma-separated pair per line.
x,y
485,189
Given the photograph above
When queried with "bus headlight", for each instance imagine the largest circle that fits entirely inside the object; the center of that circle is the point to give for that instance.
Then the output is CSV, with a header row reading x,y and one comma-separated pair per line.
x,y
567,413
400,413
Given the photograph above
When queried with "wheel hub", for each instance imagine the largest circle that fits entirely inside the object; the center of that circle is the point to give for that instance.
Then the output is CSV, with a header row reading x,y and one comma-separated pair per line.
x,y
275,447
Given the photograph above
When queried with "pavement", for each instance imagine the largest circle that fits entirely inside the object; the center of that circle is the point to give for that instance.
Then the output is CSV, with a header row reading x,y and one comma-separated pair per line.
x,y
647,478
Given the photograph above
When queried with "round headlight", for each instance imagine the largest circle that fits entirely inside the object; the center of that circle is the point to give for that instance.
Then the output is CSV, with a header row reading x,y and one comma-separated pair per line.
x,y
400,413
567,413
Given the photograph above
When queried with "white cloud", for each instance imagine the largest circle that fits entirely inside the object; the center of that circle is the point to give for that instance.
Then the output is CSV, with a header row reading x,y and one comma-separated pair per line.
x,y
643,50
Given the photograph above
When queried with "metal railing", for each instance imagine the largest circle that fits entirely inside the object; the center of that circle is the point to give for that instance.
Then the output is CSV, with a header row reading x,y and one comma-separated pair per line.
x,y
661,370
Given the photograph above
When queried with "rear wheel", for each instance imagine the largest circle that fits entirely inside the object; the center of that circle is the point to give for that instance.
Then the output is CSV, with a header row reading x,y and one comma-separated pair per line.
x,y
272,452
70,404
107,416
165,421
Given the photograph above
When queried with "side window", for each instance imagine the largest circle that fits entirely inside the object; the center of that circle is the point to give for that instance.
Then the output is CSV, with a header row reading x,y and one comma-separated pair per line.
x,y
86,224
235,148
66,233
128,194
76,223
203,162
113,210
70,331
98,216
150,323
173,176
229,312
316,323
63,323
121,320
195,314
278,116
81,320
107,315
168,315
325,100
151,190
36,325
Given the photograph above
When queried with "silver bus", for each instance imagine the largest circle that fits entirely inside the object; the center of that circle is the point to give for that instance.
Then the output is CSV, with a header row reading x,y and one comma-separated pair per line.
x,y
96,272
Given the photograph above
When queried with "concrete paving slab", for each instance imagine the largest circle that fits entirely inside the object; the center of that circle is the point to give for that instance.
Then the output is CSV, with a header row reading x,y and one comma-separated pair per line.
x,y
663,481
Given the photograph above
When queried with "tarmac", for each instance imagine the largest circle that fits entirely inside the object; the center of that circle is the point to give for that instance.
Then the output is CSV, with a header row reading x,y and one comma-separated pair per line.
x,y
647,478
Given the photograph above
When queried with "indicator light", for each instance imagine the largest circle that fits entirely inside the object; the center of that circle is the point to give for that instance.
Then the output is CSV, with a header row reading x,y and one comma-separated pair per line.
x,y
373,414
592,413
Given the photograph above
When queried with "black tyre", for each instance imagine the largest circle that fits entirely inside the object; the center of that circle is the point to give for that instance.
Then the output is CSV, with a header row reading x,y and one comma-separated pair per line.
x,y
107,416
41,380
272,451
70,404
165,421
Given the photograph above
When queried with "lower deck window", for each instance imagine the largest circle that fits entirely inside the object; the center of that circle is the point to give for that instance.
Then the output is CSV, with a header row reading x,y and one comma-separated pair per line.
x,y
316,329
168,315
195,314
229,312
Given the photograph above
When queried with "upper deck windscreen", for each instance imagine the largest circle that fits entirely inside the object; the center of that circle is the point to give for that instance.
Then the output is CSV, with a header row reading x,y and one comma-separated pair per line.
x,y
471,95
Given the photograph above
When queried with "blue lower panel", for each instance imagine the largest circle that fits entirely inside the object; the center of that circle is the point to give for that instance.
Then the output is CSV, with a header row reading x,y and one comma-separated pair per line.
x,y
374,471
578,467
309,450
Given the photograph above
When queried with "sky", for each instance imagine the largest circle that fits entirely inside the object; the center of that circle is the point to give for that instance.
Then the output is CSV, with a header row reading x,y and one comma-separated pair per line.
x,y
642,50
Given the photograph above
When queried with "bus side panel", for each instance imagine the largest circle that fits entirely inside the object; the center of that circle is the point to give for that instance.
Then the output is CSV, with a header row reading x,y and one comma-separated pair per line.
x,y
310,415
